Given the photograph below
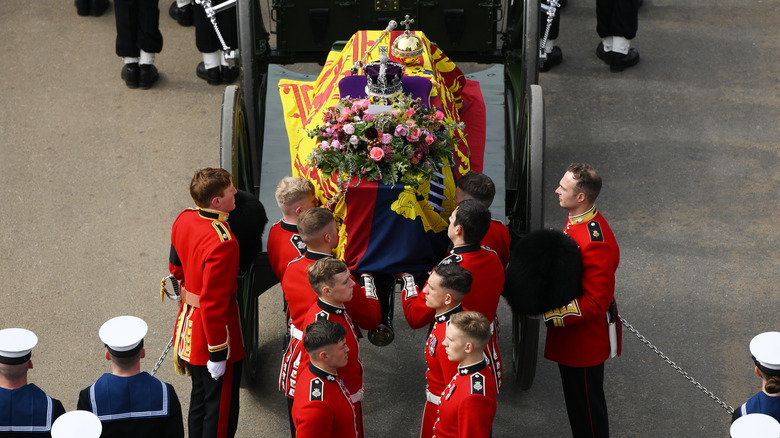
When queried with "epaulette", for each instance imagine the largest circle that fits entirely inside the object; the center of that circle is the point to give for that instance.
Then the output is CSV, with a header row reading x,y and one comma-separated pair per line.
x,y
452,258
478,384
594,230
222,231
315,389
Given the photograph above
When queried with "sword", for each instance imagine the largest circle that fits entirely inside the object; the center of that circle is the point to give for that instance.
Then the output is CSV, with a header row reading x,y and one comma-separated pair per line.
x,y
175,296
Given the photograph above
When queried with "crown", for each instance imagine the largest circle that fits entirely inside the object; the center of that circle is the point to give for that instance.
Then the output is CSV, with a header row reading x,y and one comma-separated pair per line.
x,y
383,76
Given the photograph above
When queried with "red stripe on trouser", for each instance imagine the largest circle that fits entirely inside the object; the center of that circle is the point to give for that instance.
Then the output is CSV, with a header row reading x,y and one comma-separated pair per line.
x,y
225,402
587,398
358,406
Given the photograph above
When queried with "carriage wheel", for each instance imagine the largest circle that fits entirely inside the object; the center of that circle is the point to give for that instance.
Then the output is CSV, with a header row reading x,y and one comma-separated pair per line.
x,y
525,331
250,325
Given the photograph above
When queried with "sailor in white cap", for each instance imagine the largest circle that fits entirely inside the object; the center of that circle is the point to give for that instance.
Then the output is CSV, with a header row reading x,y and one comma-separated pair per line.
x,y
77,424
755,426
24,408
128,402
765,349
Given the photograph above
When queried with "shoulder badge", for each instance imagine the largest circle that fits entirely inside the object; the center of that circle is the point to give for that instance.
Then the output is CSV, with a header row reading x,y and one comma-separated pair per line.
x,y
322,316
452,258
594,229
478,384
222,231
315,389
298,242
432,343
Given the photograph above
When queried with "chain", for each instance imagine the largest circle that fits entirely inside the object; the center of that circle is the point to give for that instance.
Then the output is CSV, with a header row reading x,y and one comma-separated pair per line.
x,y
676,367
162,358
551,7
211,15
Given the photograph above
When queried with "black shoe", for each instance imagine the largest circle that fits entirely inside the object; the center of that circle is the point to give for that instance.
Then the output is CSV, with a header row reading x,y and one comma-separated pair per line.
x,y
148,76
212,75
182,15
229,74
131,74
617,61
553,58
97,7
82,7
381,336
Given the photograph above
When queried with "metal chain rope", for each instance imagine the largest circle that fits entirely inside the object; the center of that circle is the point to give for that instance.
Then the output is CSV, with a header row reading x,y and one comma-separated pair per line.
x,y
162,358
676,367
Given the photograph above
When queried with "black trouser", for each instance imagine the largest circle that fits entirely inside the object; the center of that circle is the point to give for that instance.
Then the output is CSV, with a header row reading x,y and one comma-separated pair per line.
x,y
206,37
289,415
137,27
214,403
617,18
583,389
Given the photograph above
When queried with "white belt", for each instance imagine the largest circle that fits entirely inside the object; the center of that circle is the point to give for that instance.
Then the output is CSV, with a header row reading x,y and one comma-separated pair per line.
x,y
357,397
295,333
435,399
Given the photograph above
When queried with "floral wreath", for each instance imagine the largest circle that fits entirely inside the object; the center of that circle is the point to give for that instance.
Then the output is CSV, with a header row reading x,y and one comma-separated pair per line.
x,y
394,140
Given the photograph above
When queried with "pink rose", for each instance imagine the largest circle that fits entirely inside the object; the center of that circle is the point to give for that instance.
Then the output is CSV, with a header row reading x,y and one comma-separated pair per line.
x,y
386,138
376,154
363,103
414,135
439,115
400,131
349,129
335,144
344,114
409,112
429,139
354,139
324,145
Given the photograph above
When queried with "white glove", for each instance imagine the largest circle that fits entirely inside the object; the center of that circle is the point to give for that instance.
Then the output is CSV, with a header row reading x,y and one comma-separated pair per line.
x,y
217,369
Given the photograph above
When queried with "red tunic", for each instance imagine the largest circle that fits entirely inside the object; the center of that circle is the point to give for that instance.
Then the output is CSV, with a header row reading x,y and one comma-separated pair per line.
x,y
352,373
284,245
487,273
300,298
580,335
497,239
468,404
204,258
322,409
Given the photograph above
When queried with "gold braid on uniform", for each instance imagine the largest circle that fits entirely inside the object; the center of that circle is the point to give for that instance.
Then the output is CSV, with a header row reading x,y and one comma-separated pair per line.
x,y
163,290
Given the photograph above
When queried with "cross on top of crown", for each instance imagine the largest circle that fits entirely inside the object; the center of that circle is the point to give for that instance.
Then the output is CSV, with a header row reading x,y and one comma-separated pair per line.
x,y
407,22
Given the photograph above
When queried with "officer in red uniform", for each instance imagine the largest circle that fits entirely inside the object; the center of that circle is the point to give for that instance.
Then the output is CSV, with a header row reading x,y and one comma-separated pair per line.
x,y
468,224
331,280
322,407
204,259
468,403
293,195
475,185
320,233
446,287
586,332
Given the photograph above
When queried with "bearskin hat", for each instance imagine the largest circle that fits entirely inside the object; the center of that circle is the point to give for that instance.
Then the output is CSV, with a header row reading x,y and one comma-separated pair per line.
x,y
544,272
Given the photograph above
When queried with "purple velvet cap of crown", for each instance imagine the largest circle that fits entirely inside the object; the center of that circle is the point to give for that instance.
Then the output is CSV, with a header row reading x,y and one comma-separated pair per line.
x,y
393,75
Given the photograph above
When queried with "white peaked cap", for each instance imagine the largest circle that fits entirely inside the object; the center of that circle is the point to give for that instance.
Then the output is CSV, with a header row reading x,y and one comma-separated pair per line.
x,y
16,344
123,333
755,426
77,424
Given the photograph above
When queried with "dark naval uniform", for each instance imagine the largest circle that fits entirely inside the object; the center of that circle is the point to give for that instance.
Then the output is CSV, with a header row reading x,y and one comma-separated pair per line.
x,y
468,404
761,403
204,259
27,412
138,406
322,407
578,334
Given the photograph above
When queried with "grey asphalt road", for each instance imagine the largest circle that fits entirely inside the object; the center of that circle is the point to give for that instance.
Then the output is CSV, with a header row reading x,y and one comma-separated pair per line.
x,y
93,174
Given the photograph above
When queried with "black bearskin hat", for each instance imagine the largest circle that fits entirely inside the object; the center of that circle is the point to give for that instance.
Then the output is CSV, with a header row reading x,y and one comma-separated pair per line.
x,y
544,273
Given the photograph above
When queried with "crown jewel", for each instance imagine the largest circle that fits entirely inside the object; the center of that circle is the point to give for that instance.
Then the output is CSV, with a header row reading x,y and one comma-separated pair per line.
x,y
384,76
